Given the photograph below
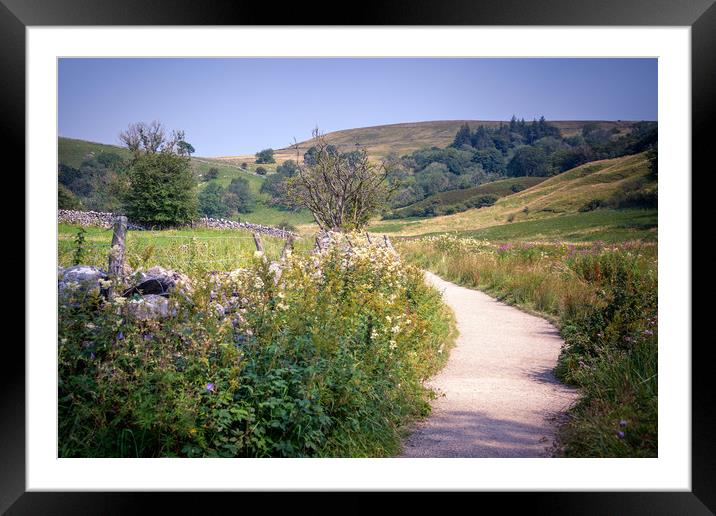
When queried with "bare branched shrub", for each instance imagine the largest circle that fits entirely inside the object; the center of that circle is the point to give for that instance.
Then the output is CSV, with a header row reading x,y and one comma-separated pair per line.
x,y
342,190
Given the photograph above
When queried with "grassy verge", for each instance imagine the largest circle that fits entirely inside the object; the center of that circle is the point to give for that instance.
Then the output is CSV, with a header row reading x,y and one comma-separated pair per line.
x,y
604,300
328,361
186,250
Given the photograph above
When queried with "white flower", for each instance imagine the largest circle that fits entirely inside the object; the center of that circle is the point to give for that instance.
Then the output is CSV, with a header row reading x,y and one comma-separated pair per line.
x,y
120,301
105,283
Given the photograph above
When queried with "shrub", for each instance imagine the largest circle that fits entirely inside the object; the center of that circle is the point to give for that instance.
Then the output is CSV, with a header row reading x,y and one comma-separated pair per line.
x,y
213,173
330,361
592,205
261,171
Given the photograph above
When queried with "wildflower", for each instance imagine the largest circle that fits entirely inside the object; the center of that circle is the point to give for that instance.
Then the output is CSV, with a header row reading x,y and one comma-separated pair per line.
x,y
105,283
623,423
192,431
90,326
620,434
120,301
93,356
120,335
209,387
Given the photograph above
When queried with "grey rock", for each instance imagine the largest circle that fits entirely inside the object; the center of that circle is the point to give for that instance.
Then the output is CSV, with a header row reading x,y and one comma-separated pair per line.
x,y
83,279
151,306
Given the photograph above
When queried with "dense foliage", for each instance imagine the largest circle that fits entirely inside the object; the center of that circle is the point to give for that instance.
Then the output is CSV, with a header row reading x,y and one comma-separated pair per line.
x,y
328,361
604,298
100,183
516,149
162,189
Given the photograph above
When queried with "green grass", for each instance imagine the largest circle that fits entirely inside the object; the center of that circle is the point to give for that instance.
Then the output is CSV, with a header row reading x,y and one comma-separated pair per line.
x,y
183,250
604,225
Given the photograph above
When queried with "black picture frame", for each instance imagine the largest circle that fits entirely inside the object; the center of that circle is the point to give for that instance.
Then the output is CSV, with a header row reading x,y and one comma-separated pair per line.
x,y
700,15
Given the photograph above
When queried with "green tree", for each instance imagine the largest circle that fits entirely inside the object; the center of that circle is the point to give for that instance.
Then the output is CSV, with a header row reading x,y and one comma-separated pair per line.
x,y
261,171
66,200
211,200
529,161
239,196
462,137
162,189
265,156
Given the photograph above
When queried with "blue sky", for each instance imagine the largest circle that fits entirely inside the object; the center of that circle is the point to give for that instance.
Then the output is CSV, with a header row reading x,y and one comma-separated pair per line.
x,y
239,106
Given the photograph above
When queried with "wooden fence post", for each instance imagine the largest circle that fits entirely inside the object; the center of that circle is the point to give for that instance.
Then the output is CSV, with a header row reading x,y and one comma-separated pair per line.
x,y
287,248
259,244
116,252
367,236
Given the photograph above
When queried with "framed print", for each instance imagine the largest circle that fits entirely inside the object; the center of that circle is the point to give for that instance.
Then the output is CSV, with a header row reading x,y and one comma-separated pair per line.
x,y
249,317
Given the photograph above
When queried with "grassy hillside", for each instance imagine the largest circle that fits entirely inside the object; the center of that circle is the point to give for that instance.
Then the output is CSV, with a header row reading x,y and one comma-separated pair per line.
x,y
564,194
408,137
455,198
73,152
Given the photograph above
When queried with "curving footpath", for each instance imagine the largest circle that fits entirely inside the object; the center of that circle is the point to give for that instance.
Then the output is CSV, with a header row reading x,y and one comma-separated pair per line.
x,y
497,394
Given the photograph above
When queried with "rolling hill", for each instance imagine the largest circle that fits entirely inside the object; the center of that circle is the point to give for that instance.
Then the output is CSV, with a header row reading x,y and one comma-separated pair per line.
x,y
401,139
577,194
461,200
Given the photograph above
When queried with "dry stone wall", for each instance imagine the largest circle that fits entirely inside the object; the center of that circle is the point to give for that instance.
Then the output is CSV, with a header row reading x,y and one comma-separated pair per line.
x,y
106,220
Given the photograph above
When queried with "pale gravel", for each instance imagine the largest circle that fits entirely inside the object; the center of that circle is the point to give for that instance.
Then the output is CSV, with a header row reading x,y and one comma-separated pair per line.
x,y
498,394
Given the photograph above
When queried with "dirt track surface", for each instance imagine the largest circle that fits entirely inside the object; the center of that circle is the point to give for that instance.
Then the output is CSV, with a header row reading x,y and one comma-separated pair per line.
x,y
497,396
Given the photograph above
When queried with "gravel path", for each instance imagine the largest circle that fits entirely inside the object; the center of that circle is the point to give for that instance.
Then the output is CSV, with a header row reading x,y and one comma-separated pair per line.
x,y
498,395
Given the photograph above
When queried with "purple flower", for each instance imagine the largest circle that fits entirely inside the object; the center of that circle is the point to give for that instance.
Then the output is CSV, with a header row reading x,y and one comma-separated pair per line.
x,y
93,356
623,423
120,335
620,434
149,336
209,387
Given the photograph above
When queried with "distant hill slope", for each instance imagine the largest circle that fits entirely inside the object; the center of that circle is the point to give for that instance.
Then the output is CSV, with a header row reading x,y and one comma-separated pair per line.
x,y
73,152
461,200
572,192
405,138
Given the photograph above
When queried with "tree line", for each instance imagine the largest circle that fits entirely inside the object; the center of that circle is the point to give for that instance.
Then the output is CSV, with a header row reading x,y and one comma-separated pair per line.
x,y
513,149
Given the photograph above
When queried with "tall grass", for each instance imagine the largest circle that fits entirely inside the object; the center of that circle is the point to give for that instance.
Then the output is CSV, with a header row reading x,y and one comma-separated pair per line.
x,y
604,300
184,250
